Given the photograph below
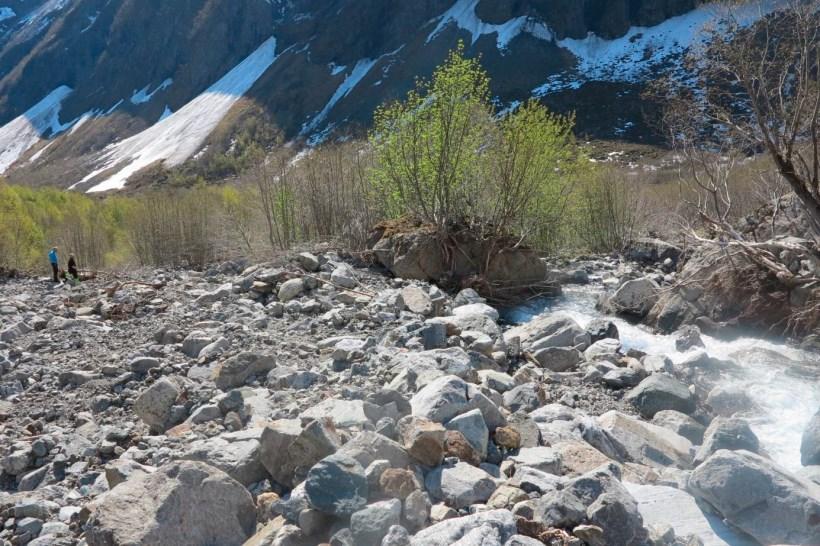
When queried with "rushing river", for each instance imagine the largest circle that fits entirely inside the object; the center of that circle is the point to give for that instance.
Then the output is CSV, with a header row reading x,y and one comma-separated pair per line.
x,y
780,379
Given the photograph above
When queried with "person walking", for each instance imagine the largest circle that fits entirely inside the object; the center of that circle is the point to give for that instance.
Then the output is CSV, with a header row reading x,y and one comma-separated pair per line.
x,y
54,261
73,272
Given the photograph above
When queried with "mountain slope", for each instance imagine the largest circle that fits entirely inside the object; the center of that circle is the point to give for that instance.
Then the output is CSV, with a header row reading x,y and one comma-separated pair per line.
x,y
93,91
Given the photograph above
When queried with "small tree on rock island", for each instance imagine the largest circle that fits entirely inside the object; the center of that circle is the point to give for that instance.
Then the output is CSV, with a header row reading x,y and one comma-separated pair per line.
x,y
444,157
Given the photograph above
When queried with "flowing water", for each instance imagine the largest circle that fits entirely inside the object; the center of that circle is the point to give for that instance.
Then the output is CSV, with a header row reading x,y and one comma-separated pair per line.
x,y
783,381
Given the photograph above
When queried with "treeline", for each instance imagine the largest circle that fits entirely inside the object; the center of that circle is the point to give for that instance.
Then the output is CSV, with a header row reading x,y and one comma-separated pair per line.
x,y
444,156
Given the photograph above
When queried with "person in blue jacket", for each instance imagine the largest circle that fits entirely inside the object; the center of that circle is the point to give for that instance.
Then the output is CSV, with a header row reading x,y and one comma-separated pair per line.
x,y
54,261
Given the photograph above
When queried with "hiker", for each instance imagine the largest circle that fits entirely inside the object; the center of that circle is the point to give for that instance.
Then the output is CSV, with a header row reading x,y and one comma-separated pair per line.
x,y
73,272
54,261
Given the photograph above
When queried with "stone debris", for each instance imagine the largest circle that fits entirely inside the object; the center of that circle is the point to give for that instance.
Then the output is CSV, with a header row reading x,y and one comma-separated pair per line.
x,y
315,402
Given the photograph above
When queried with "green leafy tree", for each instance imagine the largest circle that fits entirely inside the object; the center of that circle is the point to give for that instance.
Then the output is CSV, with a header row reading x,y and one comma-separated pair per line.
x,y
428,147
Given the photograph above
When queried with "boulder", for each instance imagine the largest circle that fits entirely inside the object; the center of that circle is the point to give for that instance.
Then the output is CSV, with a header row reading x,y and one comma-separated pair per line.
x,y
552,329
344,276
681,424
558,359
599,329
450,531
337,485
343,413
183,503
235,453
416,300
460,485
646,443
727,433
370,524
309,262
416,253
726,400
423,439
759,497
154,405
194,342
441,399
687,338
660,392
273,450
290,290
526,397
472,425
810,444
634,298
236,371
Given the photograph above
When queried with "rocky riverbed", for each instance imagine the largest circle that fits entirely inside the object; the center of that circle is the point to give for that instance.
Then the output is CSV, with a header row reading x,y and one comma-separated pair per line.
x,y
314,402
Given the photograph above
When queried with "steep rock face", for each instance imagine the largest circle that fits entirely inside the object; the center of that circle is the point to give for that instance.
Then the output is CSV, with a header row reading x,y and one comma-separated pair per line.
x,y
575,19
76,76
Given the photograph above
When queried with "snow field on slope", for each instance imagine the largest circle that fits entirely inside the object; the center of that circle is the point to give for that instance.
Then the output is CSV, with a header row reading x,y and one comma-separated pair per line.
x,y
23,132
463,15
177,136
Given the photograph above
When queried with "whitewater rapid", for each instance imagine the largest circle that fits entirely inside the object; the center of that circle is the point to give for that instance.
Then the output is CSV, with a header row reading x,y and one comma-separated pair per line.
x,y
780,379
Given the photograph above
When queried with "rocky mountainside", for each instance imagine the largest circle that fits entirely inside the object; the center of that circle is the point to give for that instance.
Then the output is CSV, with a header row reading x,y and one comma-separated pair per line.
x,y
93,91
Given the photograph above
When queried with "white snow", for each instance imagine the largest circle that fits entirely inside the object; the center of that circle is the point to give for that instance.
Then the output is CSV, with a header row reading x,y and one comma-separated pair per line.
x,y
635,56
351,81
336,69
6,13
142,96
166,113
91,20
23,132
40,152
463,15
83,119
178,136
116,105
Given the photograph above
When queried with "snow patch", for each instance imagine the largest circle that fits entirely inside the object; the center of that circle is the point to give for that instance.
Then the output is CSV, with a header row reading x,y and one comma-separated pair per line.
x,y
91,20
166,113
336,69
176,137
463,15
23,132
142,96
635,56
351,81
6,13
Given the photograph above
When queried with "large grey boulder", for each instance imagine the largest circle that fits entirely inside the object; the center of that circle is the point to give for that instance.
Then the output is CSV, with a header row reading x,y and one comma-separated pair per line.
x,y
235,453
759,497
450,531
644,442
154,405
681,424
183,503
441,399
598,498
372,523
660,392
663,506
634,298
733,434
549,330
235,371
275,440
291,289
460,485
810,444
474,429
337,485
